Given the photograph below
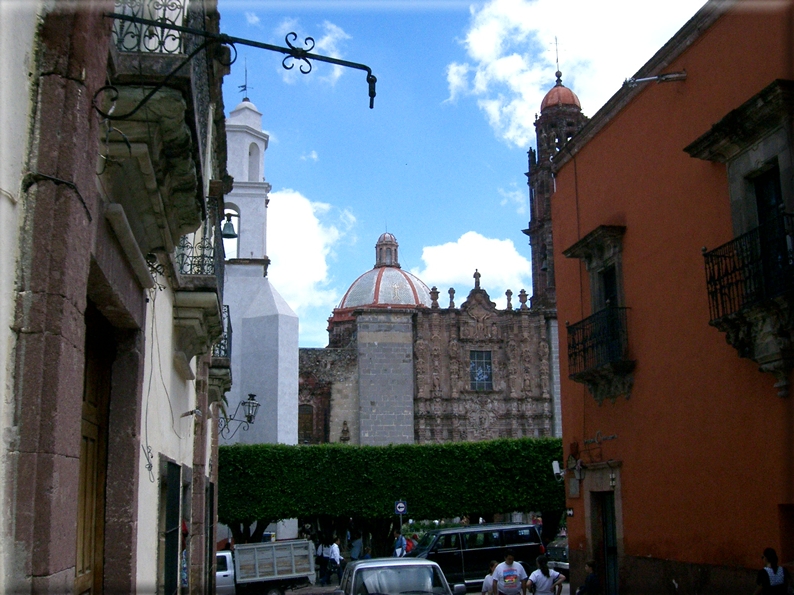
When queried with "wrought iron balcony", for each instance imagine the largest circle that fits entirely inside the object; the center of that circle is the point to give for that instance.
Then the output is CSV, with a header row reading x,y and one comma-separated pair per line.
x,y
598,353
198,259
753,268
223,348
137,37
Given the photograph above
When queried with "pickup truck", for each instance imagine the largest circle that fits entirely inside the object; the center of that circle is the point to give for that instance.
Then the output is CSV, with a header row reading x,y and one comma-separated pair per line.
x,y
270,567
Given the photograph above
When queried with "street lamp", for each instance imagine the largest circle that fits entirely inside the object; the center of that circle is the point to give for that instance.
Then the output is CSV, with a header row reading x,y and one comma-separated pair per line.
x,y
250,407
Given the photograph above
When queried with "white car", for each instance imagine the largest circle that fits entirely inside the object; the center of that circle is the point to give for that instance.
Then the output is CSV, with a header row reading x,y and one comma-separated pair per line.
x,y
395,576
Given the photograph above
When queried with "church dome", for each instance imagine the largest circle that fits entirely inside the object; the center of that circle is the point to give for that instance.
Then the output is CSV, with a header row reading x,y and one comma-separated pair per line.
x,y
560,95
386,285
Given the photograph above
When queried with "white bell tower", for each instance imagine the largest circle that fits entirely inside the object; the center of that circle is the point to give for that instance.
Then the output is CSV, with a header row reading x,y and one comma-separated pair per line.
x,y
264,327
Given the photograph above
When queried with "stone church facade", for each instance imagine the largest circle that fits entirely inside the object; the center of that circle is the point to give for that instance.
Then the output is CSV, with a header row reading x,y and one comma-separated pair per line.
x,y
402,368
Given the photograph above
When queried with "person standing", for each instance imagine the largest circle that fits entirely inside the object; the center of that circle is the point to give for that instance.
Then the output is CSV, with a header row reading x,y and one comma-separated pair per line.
x,y
772,579
509,577
487,583
335,561
398,550
356,547
545,580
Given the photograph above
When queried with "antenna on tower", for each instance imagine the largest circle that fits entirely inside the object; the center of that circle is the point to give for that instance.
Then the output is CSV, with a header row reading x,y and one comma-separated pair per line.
x,y
244,87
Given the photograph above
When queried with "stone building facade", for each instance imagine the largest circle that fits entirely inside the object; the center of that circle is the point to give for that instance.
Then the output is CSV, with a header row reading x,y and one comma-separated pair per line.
x,y
400,368
481,372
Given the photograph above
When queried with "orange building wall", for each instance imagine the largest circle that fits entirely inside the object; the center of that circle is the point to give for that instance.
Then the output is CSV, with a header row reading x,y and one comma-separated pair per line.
x,y
705,443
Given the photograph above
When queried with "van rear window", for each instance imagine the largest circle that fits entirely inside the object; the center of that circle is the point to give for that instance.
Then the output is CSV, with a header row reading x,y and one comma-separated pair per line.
x,y
516,536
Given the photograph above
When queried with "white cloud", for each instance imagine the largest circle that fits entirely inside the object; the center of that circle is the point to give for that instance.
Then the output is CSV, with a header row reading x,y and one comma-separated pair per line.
x,y
252,19
516,197
510,52
302,236
452,264
310,156
329,43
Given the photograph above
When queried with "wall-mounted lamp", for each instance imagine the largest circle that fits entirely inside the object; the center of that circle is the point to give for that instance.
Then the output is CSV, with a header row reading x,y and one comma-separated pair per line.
x,y
228,233
662,78
196,412
250,407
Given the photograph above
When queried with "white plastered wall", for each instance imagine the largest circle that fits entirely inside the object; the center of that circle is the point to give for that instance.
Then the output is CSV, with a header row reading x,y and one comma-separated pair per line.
x,y
166,396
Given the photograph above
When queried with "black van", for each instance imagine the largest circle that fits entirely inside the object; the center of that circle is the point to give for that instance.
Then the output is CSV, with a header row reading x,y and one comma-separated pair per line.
x,y
465,552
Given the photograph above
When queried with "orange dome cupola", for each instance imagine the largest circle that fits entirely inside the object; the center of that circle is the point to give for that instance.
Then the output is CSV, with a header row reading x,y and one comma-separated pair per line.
x,y
559,95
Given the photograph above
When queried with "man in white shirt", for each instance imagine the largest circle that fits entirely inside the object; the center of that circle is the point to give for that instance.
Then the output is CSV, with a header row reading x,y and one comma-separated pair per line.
x,y
509,577
335,560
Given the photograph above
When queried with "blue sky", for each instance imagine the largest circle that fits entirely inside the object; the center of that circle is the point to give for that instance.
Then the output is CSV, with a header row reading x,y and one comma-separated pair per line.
x,y
440,161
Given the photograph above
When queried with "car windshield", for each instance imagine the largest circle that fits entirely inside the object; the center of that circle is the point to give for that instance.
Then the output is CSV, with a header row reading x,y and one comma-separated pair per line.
x,y
400,580
425,542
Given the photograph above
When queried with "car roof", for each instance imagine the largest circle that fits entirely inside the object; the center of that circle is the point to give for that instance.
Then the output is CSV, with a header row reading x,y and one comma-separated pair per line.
x,y
483,527
381,562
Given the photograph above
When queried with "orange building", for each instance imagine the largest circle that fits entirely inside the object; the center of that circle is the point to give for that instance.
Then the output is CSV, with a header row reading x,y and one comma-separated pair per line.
x,y
674,260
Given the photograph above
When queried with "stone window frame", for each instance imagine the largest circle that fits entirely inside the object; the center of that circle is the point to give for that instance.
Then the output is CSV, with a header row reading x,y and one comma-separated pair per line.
x,y
600,250
750,140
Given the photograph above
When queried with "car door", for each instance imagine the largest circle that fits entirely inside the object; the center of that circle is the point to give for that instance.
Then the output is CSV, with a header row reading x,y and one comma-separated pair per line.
x,y
446,553
224,574
479,548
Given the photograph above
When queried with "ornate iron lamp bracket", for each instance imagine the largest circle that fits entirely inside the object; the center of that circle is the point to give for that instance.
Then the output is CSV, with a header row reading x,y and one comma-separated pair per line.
x,y
291,53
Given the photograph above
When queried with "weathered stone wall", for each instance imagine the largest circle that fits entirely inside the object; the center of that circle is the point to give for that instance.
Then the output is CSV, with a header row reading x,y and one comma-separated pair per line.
x,y
520,402
386,377
329,383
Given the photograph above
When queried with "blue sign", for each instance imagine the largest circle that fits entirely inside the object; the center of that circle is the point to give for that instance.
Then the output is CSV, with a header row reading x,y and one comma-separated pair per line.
x,y
400,507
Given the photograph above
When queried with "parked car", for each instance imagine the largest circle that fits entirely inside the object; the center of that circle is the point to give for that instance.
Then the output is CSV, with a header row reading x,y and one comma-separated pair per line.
x,y
557,553
464,553
395,576
224,573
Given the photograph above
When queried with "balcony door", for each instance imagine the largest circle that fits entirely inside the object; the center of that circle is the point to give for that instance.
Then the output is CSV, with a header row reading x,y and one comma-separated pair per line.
x,y
99,356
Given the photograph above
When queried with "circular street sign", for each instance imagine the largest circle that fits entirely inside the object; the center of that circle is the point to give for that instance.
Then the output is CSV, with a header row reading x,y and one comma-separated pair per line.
x,y
400,507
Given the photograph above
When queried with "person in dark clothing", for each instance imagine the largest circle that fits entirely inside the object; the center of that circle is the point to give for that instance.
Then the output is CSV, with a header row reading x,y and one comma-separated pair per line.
x,y
772,579
591,585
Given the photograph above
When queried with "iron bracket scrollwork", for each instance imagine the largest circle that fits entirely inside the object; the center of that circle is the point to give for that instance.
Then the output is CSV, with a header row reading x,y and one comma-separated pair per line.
x,y
292,53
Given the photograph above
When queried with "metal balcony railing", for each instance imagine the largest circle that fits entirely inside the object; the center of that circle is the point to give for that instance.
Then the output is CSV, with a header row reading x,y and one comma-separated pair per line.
x,y
136,37
598,340
198,259
223,348
752,268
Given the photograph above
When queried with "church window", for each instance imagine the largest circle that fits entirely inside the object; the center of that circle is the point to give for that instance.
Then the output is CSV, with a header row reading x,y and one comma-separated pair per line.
x,y
480,370
253,162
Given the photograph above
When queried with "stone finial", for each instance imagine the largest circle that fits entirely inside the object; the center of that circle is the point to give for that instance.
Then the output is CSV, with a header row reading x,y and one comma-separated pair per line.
x,y
477,279
522,297
434,297
451,297
345,435
509,295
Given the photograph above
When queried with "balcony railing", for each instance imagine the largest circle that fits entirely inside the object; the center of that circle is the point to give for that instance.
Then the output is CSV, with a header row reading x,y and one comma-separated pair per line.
x,y
223,348
136,37
752,268
597,341
198,259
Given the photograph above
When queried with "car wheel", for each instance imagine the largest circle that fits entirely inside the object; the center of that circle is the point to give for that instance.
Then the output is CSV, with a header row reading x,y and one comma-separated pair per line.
x,y
274,591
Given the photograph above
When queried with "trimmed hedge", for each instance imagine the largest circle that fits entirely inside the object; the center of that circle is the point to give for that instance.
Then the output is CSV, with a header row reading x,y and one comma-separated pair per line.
x,y
275,481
